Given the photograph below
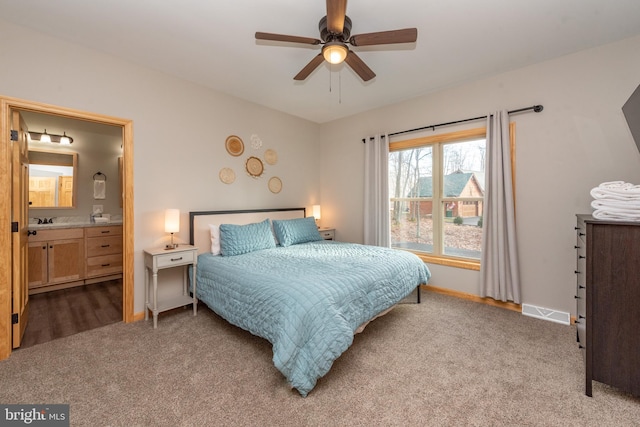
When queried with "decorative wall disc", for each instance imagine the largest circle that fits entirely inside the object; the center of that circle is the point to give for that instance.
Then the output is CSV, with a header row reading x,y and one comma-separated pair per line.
x,y
256,142
227,175
234,145
271,157
275,185
254,167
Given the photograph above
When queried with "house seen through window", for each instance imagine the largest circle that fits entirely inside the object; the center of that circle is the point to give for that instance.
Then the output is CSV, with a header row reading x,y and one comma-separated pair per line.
x,y
436,189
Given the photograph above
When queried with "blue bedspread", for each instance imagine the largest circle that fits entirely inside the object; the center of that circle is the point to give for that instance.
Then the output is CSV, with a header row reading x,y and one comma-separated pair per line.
x,y
307,299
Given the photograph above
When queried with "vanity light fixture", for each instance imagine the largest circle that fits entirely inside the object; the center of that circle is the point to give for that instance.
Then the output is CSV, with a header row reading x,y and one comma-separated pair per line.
x,y
47,138
64,139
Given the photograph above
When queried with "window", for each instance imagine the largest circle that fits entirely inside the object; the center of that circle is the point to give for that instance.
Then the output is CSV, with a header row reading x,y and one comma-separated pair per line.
x,y
436,188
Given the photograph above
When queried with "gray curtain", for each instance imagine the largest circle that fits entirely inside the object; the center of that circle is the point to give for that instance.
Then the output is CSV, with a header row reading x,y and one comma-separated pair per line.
x,y
376,191
499,272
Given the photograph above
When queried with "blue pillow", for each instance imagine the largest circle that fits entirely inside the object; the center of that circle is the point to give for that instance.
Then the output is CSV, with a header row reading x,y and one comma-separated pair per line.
x,y
242,239
293,231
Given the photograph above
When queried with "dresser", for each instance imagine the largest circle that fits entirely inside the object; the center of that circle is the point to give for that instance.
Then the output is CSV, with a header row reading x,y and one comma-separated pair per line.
x,y
608,302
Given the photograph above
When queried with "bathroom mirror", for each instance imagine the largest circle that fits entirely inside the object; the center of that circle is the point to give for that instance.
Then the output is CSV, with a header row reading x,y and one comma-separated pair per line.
x,y
52,179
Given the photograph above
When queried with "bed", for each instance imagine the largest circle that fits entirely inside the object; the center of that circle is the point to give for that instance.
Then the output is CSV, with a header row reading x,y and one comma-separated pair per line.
x,y
271,273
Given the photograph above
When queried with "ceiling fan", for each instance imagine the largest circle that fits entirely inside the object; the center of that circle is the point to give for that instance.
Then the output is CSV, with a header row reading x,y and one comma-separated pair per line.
x,y
335,34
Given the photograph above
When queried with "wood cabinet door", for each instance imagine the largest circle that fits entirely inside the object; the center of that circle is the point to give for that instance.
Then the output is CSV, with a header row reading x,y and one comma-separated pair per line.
x,y
66,260
38,264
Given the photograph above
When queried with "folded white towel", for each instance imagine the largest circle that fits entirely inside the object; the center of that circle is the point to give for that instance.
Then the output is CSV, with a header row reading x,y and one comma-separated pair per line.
x,y
629,205
99,189
615,216
617,190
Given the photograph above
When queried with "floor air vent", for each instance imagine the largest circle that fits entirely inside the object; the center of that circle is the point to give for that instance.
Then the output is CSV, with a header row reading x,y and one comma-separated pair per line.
x,y
546,314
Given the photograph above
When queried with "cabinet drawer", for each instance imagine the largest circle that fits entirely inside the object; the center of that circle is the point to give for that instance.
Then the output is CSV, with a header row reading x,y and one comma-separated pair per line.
x,y
98,246
56,234
178,258
327,234
109,230
104,265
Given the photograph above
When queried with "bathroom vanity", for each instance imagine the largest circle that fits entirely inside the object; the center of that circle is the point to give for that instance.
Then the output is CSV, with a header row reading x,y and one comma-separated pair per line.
x,y
62,256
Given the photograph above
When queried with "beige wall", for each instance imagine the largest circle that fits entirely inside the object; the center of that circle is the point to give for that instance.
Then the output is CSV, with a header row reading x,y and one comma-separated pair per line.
x,y
579,141
179,133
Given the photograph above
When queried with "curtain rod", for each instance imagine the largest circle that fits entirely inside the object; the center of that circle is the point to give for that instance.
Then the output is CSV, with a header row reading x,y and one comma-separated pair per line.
x,y
535,108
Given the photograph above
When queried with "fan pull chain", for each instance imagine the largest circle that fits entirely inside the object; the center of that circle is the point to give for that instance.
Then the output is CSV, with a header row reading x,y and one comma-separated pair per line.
x,y
330,76
339,87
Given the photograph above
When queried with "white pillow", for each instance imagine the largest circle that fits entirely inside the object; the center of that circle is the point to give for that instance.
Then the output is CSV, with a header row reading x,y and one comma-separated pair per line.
x,y
215,239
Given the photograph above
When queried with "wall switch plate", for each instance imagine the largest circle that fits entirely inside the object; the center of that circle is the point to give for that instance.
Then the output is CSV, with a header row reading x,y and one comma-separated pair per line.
x,y
98,209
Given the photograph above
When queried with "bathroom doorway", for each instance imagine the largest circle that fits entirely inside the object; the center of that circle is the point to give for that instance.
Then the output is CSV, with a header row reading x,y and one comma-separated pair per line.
x,y
8,107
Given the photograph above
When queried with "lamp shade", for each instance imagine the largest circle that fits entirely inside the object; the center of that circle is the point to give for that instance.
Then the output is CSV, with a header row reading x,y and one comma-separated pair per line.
x,y
334,52
316,211
172,220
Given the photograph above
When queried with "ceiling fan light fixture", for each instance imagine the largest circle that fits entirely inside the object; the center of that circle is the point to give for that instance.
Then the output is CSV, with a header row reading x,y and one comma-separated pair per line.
x,y
335,52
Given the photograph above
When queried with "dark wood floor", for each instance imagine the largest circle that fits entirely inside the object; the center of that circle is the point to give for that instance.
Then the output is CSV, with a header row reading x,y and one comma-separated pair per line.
x,y
66,312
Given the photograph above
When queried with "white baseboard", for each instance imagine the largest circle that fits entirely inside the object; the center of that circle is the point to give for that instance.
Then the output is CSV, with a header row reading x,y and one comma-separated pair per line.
x,y
546,314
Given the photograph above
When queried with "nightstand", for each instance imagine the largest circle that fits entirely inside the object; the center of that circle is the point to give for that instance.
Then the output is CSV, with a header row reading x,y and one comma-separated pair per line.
x,y
327,233
159,258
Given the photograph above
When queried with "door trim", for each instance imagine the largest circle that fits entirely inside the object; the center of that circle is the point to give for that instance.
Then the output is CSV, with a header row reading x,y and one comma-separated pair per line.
x,y
8,104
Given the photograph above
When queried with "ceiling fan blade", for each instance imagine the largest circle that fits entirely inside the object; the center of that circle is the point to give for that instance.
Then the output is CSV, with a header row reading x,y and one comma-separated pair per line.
x,y
308,69
336,11
406,35
285,38
359,66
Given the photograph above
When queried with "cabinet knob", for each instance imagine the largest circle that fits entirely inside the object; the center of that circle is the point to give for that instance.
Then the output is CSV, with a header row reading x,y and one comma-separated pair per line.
x,y
580,346
577,321
576,271
581,234
580,316
581,257
576,297
581,287
32,233
577,247
105,246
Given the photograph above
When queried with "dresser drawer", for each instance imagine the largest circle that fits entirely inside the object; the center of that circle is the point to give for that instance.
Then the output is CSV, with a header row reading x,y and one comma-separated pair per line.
x,y
98,246
104,265
178,258
328,234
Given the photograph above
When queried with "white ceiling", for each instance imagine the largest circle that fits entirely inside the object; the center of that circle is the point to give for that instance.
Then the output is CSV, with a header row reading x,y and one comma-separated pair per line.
x,y
211,42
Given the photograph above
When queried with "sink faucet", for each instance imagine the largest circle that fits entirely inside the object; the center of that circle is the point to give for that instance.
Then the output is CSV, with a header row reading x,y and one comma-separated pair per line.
x,y
94,216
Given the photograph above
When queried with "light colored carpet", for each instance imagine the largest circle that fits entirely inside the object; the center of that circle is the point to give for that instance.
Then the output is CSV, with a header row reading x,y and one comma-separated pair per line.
x,y
445,362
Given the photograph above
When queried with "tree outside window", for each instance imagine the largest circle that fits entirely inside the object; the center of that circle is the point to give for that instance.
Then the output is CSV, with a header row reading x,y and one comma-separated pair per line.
x,y
437,187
